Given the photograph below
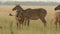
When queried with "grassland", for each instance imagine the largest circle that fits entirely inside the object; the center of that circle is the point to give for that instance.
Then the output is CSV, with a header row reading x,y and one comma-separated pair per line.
x,y
8,23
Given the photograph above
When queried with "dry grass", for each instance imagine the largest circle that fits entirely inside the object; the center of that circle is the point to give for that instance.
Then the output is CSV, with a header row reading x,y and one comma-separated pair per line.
x,y
36,26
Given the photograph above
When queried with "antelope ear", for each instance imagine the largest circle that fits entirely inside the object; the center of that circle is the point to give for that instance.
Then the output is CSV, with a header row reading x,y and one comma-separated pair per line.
x,y
10,14
12,9
55,9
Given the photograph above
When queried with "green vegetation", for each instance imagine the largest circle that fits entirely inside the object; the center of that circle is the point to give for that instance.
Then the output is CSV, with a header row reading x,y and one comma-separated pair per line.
x,y
36,27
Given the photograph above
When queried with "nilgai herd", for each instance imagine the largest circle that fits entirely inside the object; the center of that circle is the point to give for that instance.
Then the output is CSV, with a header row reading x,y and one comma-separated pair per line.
x,y
24,16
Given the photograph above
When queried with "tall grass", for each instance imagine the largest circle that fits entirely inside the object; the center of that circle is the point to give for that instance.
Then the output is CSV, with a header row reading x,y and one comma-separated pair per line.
x,y
11,27
36,27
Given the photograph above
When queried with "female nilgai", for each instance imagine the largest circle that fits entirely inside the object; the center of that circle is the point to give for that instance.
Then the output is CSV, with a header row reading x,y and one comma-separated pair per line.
x,y
29,13
57,16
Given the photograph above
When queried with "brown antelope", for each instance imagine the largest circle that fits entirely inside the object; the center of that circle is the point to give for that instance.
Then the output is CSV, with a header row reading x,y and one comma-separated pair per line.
x,y
57,15
29,13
